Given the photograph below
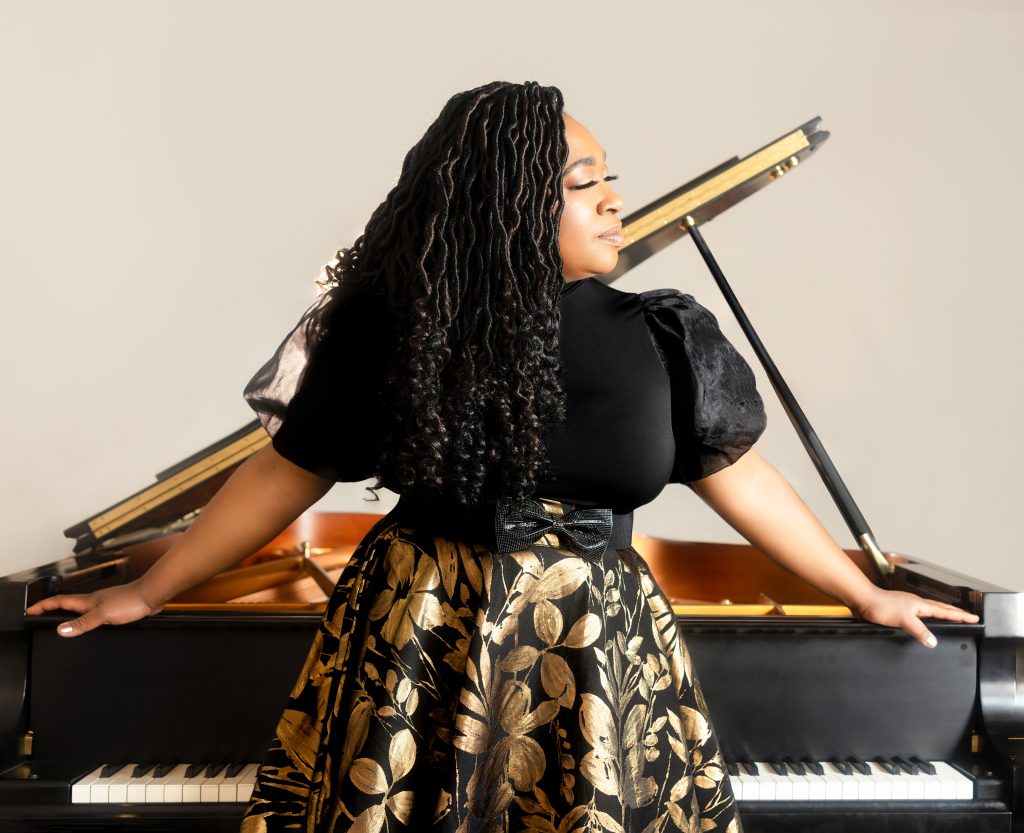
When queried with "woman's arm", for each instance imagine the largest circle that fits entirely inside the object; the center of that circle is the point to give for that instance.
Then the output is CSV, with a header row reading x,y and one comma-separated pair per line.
x,y
758,502
262,496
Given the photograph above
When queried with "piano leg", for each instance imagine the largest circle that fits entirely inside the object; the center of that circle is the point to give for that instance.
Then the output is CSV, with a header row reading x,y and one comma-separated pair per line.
x,y
1017,799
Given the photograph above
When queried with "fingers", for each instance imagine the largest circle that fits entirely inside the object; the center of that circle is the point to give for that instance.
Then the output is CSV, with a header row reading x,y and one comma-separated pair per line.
x,y
915,627
958,614
80,603
940,610
935,610
50,603
83,624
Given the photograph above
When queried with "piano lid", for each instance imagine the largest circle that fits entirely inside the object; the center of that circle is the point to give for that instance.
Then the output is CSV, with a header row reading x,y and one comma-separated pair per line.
x,y
179,492
660,223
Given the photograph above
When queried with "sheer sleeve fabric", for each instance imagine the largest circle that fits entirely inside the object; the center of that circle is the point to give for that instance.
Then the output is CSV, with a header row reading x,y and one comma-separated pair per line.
x,y
317,395
717,413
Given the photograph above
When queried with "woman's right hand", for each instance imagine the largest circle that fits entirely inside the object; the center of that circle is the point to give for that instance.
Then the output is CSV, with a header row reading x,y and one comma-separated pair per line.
x,y
109,606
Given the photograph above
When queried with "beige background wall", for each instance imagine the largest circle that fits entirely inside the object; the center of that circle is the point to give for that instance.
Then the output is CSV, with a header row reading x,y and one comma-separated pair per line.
x,y
174,174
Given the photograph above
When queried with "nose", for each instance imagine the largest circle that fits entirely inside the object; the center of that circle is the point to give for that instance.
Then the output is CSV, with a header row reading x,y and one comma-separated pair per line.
x,y
610,202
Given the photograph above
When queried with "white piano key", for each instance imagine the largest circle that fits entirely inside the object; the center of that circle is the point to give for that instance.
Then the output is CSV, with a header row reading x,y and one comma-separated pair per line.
x,y
117,790
884,781
174,783
833,781
737,787
768,783
900,786
865,785
823,786
849,788
765,786
783,785
818,787
915,785
99,793
137,788
749,785
248,782
156,790
228,792
209,791
964,786
191,788
81,790
801,784
947,786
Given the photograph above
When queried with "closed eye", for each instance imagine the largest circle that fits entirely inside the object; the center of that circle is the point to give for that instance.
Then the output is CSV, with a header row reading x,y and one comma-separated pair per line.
x,y
591,184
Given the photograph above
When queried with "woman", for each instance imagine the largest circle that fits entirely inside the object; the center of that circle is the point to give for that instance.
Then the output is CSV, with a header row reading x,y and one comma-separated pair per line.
x,y
496,655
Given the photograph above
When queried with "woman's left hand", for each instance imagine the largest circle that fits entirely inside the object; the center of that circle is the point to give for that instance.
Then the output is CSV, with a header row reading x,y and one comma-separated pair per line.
x,y
896,608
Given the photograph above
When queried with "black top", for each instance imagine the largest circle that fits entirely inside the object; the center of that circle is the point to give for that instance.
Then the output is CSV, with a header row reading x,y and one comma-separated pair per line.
x,y
655,394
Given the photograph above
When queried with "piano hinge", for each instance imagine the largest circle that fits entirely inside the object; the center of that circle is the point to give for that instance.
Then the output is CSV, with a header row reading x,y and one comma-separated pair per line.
x,y
25,745
977,743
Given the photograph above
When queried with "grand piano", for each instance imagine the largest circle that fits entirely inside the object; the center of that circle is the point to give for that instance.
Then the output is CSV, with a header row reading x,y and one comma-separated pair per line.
x,y
826,722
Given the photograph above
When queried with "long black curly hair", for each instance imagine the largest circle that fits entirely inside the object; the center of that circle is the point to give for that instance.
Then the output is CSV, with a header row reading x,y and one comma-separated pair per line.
x,y
466,247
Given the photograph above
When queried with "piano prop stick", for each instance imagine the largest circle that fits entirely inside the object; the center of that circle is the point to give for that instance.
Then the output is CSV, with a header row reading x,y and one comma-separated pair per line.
x,y
837,488
657,225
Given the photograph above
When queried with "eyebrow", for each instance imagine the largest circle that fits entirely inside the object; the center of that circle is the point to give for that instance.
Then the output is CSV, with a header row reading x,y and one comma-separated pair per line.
x,y
583,160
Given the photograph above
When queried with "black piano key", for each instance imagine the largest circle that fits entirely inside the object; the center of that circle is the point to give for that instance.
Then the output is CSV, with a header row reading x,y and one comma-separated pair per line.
x,y
796,766
162,770
906,766
141,770
750,767
778,767
888,766
927,767
859,765
213,770
110,770
813,766
234,769
194,770
842,766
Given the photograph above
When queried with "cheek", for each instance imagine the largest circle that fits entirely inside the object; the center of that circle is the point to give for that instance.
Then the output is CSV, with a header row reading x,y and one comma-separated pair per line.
x,y
572,227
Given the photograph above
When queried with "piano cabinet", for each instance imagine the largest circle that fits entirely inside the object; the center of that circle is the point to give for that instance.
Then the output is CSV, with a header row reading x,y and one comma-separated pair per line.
x,y
792,679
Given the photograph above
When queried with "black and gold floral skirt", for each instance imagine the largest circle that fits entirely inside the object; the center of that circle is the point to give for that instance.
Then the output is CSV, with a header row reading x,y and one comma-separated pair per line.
x,y
450,688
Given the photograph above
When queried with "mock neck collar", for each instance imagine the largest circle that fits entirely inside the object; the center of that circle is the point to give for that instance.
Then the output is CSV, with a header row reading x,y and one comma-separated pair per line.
x,y
572,286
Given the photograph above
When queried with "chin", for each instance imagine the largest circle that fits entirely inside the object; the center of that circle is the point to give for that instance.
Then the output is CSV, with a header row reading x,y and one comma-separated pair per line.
x,y
597,266
607,266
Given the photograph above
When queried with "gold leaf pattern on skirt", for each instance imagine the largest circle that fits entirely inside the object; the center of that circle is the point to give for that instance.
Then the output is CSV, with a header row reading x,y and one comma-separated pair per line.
x,y
455,690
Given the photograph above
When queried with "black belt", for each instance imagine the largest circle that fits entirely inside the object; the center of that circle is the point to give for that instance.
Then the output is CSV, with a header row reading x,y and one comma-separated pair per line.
x,y
510,526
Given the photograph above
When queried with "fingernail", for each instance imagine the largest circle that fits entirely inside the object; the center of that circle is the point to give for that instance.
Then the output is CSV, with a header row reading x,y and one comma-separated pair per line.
x,y
931,641
65,629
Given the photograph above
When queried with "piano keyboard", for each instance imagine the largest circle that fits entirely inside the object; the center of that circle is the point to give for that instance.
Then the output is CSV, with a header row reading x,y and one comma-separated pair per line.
x,y
165,784
787,780
850,780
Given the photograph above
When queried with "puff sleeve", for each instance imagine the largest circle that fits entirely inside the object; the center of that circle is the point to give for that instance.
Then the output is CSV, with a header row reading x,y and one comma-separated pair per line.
x,y
317,395
717,413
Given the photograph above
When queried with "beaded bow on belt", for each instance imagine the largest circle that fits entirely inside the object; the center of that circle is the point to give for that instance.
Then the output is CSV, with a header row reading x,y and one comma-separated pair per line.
x,y
518,524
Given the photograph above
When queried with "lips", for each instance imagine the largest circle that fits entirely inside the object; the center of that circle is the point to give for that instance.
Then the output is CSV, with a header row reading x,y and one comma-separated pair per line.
x,y
613,235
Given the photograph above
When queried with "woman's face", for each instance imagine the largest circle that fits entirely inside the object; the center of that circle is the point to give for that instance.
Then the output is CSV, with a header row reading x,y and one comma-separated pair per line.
x,y
590,232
